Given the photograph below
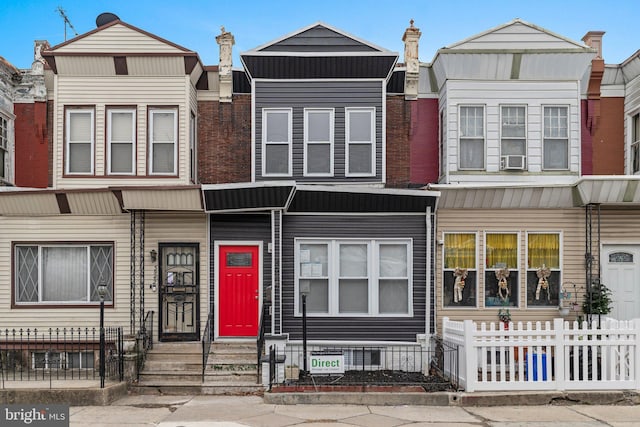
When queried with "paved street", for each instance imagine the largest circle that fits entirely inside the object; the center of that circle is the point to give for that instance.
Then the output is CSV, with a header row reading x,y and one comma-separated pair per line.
x,y
227,411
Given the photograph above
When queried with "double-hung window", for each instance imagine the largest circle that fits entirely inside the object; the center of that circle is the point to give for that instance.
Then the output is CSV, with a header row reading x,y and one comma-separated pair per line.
x,y
62,273
543,262
635,143
80,143
163,131
460,270
556,138
354,277
193,158
4,148
360,141
472,137
513,141
318,142
276,142
121,141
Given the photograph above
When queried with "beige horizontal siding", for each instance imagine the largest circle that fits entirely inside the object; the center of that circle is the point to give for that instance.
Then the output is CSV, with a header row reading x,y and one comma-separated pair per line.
x,y
120,39
105,92
159,227
569,222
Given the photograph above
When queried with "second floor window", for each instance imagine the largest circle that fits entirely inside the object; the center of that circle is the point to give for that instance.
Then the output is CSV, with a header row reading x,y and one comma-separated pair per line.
x,y
318,140
121,141
79,145
513,141
4,147
163,142
360,141
471,154
276,142
556,138
635,143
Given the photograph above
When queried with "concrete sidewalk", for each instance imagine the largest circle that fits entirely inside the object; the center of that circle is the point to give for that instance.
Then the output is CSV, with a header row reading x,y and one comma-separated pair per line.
x,y
237,411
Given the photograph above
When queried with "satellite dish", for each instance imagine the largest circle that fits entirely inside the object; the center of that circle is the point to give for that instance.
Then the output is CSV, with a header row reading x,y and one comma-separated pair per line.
x,y
105,18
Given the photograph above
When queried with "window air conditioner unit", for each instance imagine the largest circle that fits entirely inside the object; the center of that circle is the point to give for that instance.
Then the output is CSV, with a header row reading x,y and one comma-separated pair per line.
x,y
514,162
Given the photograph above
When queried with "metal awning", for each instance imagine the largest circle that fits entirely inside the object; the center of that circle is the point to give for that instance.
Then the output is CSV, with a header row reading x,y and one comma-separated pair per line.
x,y
247,197
623,190
185,198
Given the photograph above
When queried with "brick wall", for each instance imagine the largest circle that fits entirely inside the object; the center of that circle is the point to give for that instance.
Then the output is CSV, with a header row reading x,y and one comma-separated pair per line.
x,y
32,145
398,146
224,141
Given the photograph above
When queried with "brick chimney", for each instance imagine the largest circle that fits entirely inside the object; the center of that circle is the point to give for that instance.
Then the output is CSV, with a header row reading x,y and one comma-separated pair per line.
x,y
593,39
410,38
225,73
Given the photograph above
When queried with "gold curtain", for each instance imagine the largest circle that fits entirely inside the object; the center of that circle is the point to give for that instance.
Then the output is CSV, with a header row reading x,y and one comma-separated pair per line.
x,y
502,251
460,250
544,249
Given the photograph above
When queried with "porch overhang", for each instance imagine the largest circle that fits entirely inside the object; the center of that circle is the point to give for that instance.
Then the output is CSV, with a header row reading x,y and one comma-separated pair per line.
x,y
39,202
523,196
179,198
261,196
351,199
622,190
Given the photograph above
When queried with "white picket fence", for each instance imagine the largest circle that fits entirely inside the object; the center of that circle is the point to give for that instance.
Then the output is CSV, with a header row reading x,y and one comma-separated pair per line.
x,y
567,356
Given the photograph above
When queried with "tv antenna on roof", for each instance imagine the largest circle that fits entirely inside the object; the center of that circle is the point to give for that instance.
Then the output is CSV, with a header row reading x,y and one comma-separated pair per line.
x,y
63,15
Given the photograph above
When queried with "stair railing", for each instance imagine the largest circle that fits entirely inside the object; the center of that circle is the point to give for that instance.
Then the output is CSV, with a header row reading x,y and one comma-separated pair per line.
x,y
260,342
207,337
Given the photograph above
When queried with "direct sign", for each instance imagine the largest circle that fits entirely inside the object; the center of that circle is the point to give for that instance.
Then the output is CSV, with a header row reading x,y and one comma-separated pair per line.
x,y
327,364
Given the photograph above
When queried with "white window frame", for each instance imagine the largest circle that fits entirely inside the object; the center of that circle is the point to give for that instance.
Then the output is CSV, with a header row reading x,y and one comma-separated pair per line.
x,y
5,145
68,143
462,137
152,142
329,142
132,141
502,128
546,138
333,260
40,248
288,142
634,145
349,144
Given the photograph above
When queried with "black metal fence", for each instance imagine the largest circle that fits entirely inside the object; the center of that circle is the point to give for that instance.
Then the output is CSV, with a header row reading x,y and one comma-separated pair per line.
x,y
55,354
429,367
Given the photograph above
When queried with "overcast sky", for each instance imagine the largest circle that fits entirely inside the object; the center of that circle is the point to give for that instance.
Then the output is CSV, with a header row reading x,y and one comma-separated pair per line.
x,y
195,23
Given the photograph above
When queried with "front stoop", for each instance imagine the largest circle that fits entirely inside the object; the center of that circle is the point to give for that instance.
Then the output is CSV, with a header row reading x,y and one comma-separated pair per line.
x,y
176,369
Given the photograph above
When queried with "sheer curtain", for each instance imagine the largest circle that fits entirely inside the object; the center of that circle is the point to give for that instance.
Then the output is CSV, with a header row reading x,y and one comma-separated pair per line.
x,y
502,251
544,249
460,250
64,274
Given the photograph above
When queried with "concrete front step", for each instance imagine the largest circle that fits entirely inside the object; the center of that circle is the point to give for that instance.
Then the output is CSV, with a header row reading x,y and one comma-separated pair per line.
x,y
198,389
210,377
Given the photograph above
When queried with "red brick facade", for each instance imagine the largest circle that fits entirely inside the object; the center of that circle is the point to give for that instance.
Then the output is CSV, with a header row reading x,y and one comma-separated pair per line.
x,y
32,145
398,146
224,141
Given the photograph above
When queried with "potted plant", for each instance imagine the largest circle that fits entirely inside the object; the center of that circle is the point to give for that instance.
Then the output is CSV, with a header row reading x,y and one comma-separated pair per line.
x,y
597,300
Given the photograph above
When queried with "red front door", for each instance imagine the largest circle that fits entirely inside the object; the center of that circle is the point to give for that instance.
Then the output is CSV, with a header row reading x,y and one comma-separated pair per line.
x,y
238,298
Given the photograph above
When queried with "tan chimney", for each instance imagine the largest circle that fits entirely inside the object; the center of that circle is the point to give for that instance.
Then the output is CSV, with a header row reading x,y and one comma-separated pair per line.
x,y
225,73
593,39
410,38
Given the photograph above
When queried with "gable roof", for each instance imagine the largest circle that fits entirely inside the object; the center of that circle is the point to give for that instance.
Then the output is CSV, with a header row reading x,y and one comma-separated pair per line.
x,y
516,34
318,51
318,39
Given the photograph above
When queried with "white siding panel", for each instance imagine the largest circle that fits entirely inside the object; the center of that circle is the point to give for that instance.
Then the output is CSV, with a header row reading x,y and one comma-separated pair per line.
x,y
120,39
155,66
65,228
85,66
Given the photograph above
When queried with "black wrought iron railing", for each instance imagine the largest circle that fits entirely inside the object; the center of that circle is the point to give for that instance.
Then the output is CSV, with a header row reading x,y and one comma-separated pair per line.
x,y
260,341
367,365
207,337
144,341
56,354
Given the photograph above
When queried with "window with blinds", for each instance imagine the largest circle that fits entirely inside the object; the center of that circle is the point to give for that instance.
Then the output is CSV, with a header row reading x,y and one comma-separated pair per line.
x,y
121,141
80,143
163,142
